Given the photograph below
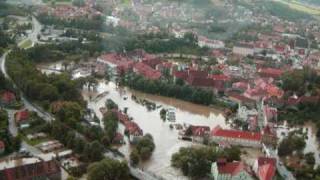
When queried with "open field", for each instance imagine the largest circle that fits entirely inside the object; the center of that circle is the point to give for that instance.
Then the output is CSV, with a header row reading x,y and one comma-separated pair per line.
x,y
300,7
25,44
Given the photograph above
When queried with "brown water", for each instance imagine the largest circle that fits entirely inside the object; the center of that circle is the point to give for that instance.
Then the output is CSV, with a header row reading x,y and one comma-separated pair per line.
x,y
166,139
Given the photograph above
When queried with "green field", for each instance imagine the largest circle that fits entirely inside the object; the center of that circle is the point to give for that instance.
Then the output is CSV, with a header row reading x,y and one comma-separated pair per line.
x,y
300,7
25,44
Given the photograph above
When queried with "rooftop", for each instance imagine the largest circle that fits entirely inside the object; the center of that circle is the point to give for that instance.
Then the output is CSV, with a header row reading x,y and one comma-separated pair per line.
x,y
218,131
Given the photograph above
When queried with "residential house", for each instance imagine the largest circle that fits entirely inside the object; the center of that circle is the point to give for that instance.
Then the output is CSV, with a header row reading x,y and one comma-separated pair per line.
x,y
198,133
241,100
117,62
265,168
236,137
21,116
29,168
220,82
223,170
243,49
7,98
214,44
255,94
146,71
151,60
131,128
199,79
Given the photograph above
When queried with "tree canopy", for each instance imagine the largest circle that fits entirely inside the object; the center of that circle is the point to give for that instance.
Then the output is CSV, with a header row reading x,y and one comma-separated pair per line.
x,y
108,169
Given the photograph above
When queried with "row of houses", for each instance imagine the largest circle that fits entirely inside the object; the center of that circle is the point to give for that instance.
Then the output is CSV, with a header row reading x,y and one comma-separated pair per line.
x,y
230,137
132,129
264,168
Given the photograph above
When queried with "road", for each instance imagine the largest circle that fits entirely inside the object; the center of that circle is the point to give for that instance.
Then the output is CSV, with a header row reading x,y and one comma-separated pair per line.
x,y
36,28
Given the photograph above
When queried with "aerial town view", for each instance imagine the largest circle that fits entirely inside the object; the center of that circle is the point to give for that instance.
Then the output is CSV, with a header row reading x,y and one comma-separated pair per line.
x,y
160,89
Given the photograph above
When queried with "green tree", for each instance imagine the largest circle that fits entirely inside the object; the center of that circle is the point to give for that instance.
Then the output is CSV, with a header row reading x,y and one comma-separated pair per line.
x,y
108,169
134,157
93,151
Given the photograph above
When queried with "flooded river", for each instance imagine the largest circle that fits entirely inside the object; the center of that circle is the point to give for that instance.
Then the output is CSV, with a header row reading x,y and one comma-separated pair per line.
x,y
166,139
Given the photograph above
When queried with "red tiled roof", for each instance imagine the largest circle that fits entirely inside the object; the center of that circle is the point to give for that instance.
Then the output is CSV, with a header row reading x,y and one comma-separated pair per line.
x,y
280,48
199,130
8,97
200,81
274,91
240,85
219,77
266,160
266,172
152,61
241,98
197,73
232,168
22,115
131,127
147,71
266,168
181,74
218,131
270,72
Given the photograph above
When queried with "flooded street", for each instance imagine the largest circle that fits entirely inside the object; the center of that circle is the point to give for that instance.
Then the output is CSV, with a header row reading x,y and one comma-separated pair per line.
x,y
166,139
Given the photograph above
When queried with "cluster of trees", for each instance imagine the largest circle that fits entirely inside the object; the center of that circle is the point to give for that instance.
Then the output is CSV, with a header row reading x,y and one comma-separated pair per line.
x,y
4,83
301,82
195,162
38,87
11,143
8,9
290,144
5,41
89,151
66,50
110,126
78,3
94,23
142,150
184,92
108,169
76,33
165,43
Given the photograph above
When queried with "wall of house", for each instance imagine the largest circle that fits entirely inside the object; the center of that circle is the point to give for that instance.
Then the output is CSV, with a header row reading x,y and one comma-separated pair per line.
x,y
236,141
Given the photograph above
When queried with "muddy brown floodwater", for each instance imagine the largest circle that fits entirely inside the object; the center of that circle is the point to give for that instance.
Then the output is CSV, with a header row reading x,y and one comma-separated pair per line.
x,y
166,139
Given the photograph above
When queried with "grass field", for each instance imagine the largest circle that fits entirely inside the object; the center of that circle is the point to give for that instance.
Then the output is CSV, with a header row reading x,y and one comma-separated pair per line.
x,y
300,7
25,44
